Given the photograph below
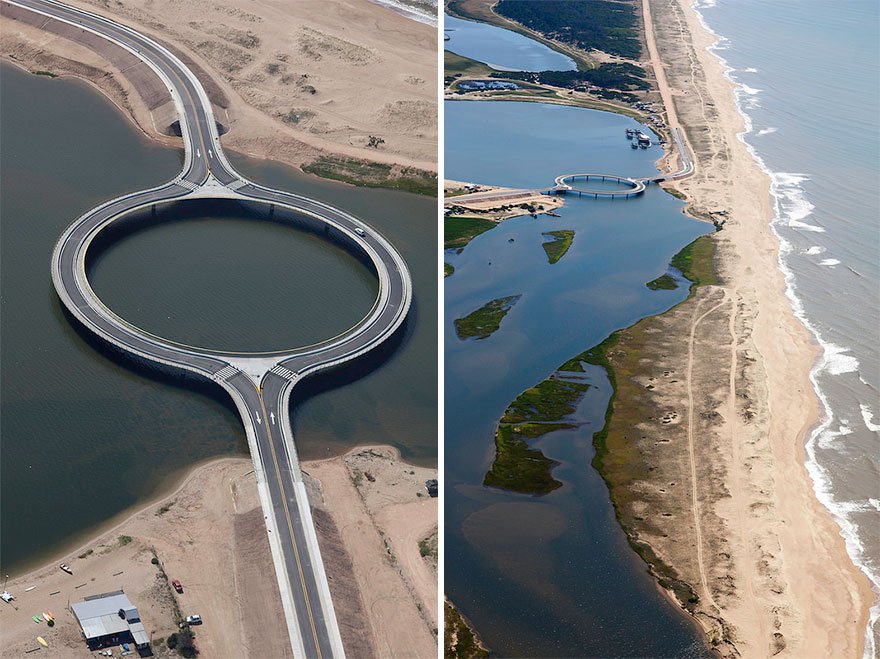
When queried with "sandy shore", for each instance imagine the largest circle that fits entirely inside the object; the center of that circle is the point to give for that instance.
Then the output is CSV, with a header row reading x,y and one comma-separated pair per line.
x,y
291,81
209,534
766,559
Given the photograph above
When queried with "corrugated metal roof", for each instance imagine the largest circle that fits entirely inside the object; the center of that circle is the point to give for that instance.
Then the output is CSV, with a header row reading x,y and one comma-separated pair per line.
x,y
99,616
139,633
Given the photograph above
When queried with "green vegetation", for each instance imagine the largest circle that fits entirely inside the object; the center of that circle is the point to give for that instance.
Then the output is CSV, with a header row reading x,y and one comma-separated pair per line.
x,y
87,553
535,412
663,282
621,76
486,320
184,642
459,231
447,270
48,74
697,262
428,547
165,508
517,467
457,64
550,400
124,540
459,639
607,25
374,174
558,245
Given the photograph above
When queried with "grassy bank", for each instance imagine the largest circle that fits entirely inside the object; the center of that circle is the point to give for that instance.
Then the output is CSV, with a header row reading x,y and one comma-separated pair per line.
x,y
486,320
374,174
558,245
618,459
459,639
459,231
535,412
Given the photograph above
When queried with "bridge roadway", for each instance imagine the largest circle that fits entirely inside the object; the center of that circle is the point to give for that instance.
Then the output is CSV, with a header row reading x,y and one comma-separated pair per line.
x,y
260,384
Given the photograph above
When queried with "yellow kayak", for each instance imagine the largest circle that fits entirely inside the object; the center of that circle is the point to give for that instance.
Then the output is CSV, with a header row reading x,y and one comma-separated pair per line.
x,y
42,641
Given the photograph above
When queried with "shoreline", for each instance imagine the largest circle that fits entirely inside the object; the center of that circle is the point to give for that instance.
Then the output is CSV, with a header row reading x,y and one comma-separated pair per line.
x,y
824,352
167,489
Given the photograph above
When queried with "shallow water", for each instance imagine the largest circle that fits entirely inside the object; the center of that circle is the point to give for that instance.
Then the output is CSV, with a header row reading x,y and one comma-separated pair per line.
x,y
553,575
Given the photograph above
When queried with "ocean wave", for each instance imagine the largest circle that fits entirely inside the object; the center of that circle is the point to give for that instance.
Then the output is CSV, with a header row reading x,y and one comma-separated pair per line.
x,y
766,131
790,208
421,12
829,262
827,439
868,418
751,69
815,249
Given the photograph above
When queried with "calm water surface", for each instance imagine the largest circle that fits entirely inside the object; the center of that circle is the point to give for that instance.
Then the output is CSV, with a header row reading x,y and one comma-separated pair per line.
x,y
551,576
501,49
87,434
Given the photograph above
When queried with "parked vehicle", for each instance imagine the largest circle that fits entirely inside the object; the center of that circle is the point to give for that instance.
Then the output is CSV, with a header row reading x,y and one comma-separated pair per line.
x,y
194,619
177,586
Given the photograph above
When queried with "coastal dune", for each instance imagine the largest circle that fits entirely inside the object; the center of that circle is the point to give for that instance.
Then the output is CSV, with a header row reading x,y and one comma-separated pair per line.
x,y
740,525
291,81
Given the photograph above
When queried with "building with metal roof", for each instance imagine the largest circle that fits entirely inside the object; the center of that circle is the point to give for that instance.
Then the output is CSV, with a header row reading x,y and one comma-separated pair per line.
x,y
110,619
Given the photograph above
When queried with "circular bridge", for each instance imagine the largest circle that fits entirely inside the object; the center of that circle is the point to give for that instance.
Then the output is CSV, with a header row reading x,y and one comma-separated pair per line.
x,y
259,383
564,185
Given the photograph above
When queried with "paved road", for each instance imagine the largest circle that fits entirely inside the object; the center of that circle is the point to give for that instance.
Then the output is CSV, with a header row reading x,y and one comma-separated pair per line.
x,y
260,384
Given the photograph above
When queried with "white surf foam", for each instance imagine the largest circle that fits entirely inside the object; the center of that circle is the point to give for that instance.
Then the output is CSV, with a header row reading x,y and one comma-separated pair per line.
x,y
751,69
829,262
766,131
416,13
815,249
790,209
868,418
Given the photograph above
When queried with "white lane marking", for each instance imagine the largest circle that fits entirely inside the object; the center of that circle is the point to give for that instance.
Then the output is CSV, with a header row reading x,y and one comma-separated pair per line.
x,y
272,416
259,420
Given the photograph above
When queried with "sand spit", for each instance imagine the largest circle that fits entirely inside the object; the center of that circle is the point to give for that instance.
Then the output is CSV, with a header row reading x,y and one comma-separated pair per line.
x,y
209,533
719,411
291,81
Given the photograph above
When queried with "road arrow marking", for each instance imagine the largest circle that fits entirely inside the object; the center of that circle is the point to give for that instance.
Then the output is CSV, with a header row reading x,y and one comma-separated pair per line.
x,y
272,416
259,420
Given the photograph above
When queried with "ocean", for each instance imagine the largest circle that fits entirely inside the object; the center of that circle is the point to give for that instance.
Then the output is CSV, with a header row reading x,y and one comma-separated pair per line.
x,y
807,84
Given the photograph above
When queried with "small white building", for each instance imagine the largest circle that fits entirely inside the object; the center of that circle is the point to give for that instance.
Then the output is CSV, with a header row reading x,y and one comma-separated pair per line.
x,y
110,619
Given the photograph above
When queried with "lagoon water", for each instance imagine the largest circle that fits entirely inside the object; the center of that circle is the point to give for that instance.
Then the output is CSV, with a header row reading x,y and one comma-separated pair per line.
x,y
86,433
812,123
501,49
551,576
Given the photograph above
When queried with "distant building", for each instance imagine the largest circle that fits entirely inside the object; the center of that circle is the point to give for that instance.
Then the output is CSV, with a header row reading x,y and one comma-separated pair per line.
x,y
110,619
482,85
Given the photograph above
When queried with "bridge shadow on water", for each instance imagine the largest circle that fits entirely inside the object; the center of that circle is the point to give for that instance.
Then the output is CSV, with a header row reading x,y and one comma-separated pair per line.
x,y
344,374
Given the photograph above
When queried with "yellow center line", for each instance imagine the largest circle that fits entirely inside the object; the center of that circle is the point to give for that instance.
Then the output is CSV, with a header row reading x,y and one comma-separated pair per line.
x,y
290,525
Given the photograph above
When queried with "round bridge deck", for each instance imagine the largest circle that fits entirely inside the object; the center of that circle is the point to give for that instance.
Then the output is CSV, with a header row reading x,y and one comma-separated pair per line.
x,y
564,185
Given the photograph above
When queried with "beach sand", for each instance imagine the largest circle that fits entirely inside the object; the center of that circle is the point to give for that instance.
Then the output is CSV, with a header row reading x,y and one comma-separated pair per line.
x,y
209,534
291,81
747,532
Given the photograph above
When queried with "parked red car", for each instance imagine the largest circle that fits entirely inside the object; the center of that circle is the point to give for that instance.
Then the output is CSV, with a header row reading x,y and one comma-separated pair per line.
x,y
177,586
